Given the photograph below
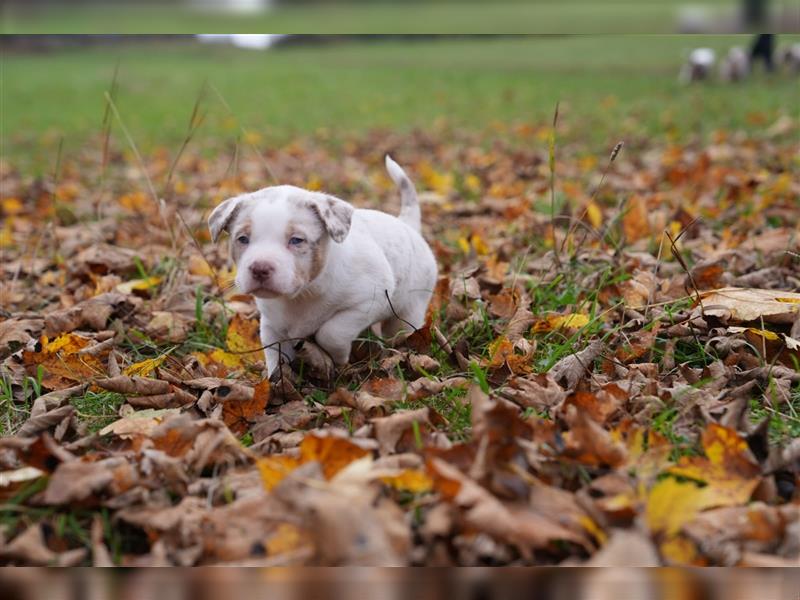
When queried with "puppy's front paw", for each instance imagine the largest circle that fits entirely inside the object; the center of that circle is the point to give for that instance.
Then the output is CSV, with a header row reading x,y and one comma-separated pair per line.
x,y
315,361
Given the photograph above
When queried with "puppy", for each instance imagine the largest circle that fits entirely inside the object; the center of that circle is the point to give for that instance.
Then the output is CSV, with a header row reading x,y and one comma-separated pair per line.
x,y
735,66
790,58
319,267
698,66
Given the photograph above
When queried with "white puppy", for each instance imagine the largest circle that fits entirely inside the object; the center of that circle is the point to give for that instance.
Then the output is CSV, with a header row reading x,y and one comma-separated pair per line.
x,y
735,66
319,267
698,66
790,58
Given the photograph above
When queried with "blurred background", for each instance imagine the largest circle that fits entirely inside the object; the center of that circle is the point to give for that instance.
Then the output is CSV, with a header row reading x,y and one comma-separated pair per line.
x,y
270,89
391,16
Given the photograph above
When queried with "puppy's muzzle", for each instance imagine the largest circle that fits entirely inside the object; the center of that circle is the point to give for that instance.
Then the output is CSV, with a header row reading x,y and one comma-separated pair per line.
x,y
262,272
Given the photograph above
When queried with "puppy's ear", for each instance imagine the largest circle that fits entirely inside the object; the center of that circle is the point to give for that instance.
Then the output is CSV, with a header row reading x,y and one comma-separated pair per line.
x,y
335,214
221,217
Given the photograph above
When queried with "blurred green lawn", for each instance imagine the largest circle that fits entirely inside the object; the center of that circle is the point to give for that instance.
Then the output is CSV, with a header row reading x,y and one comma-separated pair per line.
x,y
408,16
610,88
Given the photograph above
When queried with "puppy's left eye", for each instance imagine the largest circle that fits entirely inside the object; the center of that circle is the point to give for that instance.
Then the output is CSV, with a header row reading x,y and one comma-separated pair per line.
x,y
295,241
243,239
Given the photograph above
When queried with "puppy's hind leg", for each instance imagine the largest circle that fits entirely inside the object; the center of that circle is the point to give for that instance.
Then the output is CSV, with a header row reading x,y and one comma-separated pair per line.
x,y
411,318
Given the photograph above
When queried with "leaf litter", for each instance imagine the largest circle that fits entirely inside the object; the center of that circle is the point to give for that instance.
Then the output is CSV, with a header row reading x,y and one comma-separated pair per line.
x,y
614,365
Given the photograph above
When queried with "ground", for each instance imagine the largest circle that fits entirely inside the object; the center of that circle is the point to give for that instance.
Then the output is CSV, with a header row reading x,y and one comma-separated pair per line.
x,y
610,361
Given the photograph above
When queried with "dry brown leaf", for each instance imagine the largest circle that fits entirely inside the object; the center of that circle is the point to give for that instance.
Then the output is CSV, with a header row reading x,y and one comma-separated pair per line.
x,y
747,304
571,369
389,430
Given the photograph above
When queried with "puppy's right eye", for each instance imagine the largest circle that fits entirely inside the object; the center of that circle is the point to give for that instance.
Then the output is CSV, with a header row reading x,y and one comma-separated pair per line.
x,y
243,239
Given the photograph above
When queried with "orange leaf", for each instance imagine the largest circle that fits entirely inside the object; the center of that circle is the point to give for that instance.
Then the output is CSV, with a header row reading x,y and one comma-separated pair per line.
x,y
333,454
726,476
410,480
238,414
635,223
62,364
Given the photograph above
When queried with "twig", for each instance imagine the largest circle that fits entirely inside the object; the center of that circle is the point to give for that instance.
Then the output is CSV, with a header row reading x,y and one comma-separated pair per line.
x,y
159,204
552,164
195,120
394,312
244,134
614,153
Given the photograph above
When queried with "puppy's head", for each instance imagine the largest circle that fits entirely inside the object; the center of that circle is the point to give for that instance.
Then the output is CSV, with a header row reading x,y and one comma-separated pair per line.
x,y
280,237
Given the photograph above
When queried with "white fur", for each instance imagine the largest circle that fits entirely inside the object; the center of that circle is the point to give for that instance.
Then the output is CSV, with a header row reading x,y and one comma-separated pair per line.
x,y
698,66
735,66
790,58
379,256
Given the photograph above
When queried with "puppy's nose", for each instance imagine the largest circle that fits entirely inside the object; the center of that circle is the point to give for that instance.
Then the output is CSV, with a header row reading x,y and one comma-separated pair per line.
x,y
261,271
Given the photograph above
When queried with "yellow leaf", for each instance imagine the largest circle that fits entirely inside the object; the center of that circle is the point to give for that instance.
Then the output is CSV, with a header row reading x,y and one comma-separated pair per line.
x,y
410,480
199,266
274,468
243,336
314,183
243,347
180,186
69,343
12,206
480,246
145,367
141,285
671,503
62,364
594,214
587,163
441,183
571,321
136,201
728,472
499,350
230,123
678,550
7,234
568,321
767,335
472,183
252,137
589,525
220,357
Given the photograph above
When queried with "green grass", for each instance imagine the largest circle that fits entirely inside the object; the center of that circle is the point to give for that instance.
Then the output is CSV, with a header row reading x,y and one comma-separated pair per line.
x,y
610,88
507,16
98,409
784,417
450,405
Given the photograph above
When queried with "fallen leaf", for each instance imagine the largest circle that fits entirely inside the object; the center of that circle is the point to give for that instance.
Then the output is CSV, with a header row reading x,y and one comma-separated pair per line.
x,y
747,304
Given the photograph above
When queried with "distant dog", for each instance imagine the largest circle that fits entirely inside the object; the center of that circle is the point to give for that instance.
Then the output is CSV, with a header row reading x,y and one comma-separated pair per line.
x,y
790,58
319,267
735,66
698,66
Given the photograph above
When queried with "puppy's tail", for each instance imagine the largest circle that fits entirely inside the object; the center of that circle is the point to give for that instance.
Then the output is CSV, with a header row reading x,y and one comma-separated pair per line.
x,y
409,203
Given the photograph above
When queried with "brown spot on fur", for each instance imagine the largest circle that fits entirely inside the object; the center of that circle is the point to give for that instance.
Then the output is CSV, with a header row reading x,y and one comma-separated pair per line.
x,y
335,215
239,229
319,251
312,257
